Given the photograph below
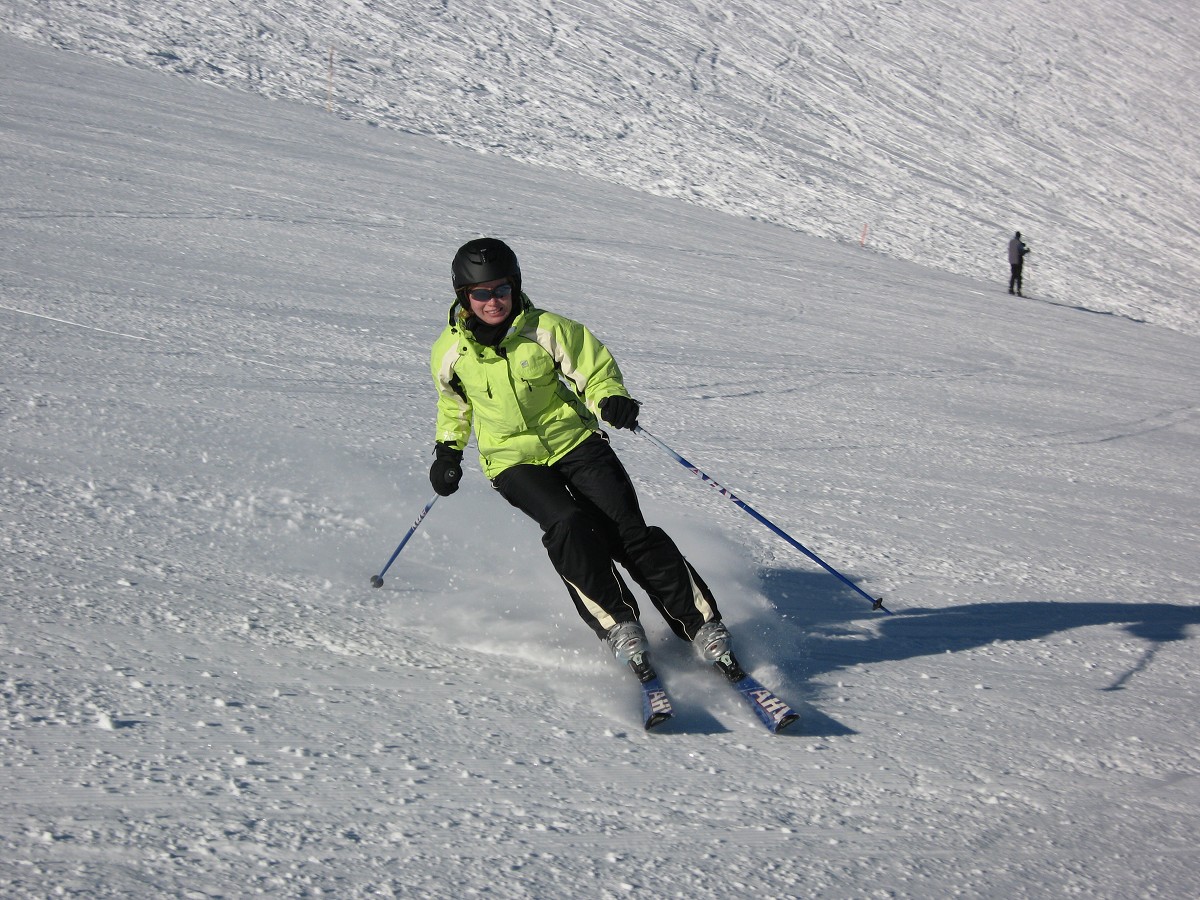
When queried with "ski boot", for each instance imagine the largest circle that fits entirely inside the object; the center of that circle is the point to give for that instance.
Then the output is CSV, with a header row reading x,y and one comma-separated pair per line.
x,y
715,646
627,640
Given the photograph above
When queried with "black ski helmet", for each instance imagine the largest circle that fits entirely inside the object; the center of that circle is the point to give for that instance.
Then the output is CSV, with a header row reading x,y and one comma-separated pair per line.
x,y
484,259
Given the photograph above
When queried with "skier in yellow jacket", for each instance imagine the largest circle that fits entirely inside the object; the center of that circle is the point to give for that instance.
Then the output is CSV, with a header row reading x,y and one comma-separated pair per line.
x,y
532,384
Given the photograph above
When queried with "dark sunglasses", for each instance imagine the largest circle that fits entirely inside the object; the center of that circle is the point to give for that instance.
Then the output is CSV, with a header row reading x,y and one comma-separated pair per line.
x,y
483,295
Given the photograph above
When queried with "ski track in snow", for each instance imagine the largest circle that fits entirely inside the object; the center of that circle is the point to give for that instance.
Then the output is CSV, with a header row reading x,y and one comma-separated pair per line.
x,y
216,313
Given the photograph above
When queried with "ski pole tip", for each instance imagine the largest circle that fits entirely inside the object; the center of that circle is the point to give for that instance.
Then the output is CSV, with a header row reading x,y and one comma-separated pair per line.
x,y
376,581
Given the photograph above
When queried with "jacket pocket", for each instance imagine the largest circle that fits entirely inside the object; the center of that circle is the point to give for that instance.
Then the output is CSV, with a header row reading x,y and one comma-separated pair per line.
x,y
530,363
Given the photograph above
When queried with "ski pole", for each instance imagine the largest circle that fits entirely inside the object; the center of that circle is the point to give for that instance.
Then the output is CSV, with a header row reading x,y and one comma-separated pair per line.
x,y
876,603
377,580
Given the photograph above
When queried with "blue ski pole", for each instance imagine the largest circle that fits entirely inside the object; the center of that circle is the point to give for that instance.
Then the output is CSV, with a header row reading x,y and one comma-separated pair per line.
x,y
377,580
876,603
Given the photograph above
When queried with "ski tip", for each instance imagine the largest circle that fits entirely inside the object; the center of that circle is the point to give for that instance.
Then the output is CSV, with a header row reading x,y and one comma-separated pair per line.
x,y
787,721
657,719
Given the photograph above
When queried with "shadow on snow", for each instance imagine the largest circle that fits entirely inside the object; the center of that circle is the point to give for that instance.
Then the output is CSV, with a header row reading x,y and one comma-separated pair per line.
x,y
816,627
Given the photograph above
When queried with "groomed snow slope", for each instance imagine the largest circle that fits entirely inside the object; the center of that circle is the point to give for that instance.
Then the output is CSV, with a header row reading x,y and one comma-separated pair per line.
x,y
216,311
931,130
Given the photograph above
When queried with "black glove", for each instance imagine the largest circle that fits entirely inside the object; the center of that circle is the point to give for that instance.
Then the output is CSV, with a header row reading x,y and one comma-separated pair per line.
x,y
446,471
619,412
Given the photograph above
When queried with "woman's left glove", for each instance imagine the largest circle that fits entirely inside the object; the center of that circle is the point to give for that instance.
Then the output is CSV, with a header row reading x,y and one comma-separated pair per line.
x,y
446,471
619,412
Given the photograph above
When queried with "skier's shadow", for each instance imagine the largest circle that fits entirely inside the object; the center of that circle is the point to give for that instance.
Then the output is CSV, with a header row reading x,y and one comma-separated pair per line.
x,y
819,626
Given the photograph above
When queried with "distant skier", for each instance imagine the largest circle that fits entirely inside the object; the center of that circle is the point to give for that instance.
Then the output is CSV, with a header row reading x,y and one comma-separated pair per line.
x,y
1016,261
531,384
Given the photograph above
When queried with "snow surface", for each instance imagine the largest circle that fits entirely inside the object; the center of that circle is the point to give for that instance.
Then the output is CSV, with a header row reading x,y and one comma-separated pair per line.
x,y
216,313
928,131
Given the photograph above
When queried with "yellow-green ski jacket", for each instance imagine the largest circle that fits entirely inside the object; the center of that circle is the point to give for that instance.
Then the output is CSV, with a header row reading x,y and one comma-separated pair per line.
x,y
532,398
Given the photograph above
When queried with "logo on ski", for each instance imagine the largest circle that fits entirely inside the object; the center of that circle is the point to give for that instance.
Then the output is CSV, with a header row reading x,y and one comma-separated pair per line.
x,y
769,703
659,702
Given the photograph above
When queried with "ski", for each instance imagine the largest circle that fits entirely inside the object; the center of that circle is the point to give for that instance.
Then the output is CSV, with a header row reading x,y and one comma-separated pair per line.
x,y
656,704
770,708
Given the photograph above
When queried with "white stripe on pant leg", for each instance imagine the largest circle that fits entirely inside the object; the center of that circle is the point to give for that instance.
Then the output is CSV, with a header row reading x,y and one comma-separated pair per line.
x,y
594,609
698,600
702,604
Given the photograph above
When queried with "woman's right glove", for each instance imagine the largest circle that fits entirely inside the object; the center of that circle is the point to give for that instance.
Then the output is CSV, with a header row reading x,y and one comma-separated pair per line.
x,y
446,471
619,412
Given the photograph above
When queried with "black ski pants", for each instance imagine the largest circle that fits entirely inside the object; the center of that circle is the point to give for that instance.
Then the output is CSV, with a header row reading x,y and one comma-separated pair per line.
x,y
1015,277
590,519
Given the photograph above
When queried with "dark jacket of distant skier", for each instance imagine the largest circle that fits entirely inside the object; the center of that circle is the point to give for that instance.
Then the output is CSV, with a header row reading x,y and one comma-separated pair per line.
x,y
1016,250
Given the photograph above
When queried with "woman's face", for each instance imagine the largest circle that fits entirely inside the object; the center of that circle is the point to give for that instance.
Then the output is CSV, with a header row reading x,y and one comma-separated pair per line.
x,y
491,301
